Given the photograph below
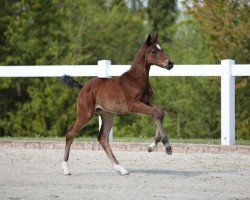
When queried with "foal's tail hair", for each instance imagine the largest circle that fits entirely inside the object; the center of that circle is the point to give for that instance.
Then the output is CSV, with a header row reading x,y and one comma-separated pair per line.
x,y
69,81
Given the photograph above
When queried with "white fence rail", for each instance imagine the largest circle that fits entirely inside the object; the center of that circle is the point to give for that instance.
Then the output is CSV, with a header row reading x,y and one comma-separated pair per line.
x,y
227,70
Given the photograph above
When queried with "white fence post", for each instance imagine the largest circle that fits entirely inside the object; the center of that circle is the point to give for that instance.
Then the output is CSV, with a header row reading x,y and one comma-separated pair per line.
x,y
227,103
103,73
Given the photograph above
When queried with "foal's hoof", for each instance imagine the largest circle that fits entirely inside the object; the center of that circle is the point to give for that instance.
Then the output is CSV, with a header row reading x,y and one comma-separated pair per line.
x,y
168,150
150,149
65,168
125,172
66,172
121,170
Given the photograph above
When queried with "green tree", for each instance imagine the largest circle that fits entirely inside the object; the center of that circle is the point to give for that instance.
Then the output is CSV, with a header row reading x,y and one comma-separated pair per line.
x,y
5,17
226,24
162,14
118,33
188,45
59,32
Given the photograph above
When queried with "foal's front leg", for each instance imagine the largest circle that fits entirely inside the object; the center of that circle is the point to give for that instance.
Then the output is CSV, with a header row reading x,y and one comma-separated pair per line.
x,y
157,138
154,144
158,114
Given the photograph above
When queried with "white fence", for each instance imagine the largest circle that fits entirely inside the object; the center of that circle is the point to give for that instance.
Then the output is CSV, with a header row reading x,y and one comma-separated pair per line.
x,y
227,70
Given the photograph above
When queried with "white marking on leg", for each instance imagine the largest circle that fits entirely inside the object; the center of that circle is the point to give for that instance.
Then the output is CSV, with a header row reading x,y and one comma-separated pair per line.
x,y
65,168
158,46
152,146
120,169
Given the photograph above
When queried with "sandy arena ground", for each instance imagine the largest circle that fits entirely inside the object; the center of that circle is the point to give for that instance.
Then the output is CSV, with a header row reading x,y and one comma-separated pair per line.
x,y
35,174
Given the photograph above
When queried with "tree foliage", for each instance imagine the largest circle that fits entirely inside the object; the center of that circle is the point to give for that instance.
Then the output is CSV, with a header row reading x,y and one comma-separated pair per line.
x,y
226,24
58,32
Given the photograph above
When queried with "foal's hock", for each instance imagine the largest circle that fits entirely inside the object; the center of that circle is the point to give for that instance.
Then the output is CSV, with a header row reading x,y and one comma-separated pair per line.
x,y
129,93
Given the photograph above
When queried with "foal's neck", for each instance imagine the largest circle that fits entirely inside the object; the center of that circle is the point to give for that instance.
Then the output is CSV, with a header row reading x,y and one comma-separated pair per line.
x,y
139,67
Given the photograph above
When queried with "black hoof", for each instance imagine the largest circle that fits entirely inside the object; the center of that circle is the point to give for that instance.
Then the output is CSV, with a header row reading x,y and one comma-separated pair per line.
x,y
168,150
150,149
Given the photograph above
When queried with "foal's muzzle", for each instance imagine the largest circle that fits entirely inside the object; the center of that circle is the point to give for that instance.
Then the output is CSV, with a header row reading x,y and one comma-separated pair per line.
x,y
170,65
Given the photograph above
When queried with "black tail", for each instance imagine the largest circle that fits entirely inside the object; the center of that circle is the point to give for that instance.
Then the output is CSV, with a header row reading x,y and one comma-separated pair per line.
x,y
69,81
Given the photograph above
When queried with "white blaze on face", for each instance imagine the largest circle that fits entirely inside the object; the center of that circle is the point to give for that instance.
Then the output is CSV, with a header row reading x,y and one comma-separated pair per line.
x,y
158,46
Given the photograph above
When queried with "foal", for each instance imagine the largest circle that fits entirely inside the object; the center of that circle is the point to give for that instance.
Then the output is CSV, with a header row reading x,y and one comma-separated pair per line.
x,y
129,93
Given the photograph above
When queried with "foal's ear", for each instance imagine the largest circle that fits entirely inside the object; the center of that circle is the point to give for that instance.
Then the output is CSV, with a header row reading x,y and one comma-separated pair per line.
x,y
154,39
148,41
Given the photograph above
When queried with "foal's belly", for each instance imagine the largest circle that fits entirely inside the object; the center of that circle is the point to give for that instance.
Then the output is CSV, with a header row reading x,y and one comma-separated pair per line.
x,y
110,98
112,107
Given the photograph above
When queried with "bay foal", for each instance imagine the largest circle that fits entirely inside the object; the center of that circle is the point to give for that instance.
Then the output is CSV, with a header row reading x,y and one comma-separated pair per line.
x,y
129,93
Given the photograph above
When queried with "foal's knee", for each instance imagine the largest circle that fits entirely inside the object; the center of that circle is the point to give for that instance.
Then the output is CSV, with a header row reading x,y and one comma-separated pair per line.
x,y
158,113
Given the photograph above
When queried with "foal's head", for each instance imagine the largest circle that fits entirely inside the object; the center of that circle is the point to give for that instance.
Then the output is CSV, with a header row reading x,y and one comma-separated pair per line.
x,y
155,54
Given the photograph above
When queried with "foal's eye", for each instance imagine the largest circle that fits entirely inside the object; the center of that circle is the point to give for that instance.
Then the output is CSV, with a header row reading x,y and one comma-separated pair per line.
x,y
153,53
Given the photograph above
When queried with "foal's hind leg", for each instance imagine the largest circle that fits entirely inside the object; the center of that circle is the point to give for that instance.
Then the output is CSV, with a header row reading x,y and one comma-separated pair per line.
x,y
103,138
80,122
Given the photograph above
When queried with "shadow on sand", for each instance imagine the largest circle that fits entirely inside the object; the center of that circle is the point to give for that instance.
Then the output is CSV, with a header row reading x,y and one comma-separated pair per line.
x,y
182,173
167,172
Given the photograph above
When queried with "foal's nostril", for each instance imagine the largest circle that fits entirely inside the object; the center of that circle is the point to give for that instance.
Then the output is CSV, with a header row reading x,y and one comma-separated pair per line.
x,y
170,65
